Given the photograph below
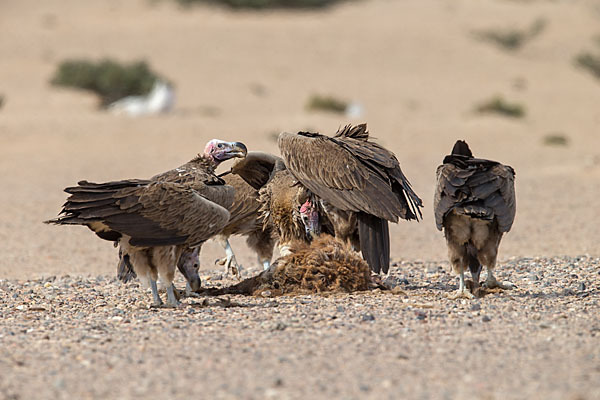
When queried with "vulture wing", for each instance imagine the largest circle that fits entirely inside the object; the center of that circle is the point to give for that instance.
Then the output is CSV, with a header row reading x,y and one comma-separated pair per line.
x,y
475,187
245,203
353,174
155,213
255,168
350,172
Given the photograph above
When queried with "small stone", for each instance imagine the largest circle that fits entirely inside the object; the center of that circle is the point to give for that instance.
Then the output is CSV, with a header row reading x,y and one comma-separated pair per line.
x,y
367,317
476,307
581,287
485,318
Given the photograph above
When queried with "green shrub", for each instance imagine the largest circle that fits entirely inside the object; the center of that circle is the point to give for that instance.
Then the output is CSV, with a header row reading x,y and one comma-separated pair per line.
x,y
263,4
555,139
512,39
107,78
590,62
326,103
497,105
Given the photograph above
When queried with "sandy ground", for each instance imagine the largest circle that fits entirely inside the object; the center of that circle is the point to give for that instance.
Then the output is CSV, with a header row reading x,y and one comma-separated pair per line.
x,y
418,72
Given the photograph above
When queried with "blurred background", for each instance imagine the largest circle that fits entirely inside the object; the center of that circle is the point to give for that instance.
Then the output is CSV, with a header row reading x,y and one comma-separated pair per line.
x,y
519,80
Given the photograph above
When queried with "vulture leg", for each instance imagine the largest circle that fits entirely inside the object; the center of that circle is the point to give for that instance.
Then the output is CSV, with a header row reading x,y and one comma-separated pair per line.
x,y
459,258
462,292
157,302
171,298
487,256
230,259
262,242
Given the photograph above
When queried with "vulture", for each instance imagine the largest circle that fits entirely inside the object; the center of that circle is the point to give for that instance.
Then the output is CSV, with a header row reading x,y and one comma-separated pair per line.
x,y
245,217
475,205
283,202
356,183
155,221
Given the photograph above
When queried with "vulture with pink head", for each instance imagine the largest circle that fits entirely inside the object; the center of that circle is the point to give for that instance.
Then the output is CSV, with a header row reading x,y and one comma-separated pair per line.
x,y
154,221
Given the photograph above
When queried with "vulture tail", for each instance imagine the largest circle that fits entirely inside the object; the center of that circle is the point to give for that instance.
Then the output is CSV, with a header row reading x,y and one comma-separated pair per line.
x,y
125,271
374,236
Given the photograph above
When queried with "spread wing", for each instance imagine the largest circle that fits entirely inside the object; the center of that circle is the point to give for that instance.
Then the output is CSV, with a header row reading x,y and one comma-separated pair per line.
x,y
482,188
350,173
245,204
256,168
151,213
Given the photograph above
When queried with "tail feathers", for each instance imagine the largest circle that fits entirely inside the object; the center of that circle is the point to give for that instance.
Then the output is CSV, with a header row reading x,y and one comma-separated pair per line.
x,y
476,211
374,238
125,271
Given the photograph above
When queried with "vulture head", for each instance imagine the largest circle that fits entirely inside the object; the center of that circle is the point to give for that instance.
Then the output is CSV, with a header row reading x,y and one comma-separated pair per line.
x,y
219,150
461,148
310,218
189,264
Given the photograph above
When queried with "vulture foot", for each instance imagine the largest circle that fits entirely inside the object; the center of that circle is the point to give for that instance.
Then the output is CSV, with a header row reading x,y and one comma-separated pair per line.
x,y
462,294
189,292
171,298
463,291
493,283
230,264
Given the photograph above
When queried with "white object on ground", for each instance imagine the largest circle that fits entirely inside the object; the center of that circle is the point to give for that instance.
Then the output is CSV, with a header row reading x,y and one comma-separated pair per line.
x,y
160,99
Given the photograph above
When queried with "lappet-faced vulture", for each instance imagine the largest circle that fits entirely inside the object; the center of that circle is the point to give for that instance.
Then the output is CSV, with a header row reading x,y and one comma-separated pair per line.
x,y
155,220
475,205
359,184
280,195
247,176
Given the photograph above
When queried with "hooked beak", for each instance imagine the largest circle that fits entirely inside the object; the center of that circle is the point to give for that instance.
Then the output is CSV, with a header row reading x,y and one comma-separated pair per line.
x,y
238,149
221,151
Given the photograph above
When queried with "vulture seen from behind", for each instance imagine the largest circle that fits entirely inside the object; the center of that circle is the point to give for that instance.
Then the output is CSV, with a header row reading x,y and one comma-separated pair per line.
x,y
475,205
156,220
357,183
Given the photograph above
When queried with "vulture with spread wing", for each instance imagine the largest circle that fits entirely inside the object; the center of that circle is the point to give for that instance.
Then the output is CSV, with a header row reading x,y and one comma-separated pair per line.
x,y
359,186
245,217
475,205
155,221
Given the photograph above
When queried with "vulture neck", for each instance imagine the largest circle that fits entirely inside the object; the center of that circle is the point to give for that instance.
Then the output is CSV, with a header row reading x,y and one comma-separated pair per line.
x,y
206,162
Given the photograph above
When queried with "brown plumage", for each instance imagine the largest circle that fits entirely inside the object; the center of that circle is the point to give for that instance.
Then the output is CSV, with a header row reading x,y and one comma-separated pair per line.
x,y
475,205
281,198
358,182
325,265
245,221
155,220
279,195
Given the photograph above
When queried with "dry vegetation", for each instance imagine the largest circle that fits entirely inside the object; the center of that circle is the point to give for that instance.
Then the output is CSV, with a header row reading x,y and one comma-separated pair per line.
x,y
109,79
512,39
498,105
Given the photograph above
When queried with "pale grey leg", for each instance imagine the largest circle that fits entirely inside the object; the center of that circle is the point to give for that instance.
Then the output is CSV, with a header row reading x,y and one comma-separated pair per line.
x,y
266,264
157,302
462,292
230,259
171,299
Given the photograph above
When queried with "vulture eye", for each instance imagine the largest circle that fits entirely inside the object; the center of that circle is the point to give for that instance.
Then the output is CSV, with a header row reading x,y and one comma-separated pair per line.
x,y
220,145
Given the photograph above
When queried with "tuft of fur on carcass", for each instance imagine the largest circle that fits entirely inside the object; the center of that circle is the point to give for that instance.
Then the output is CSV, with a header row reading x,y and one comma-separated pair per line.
x,y
324,265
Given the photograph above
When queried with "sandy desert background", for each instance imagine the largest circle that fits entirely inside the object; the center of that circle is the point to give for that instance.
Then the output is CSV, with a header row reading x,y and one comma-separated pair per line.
x,y
418,71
